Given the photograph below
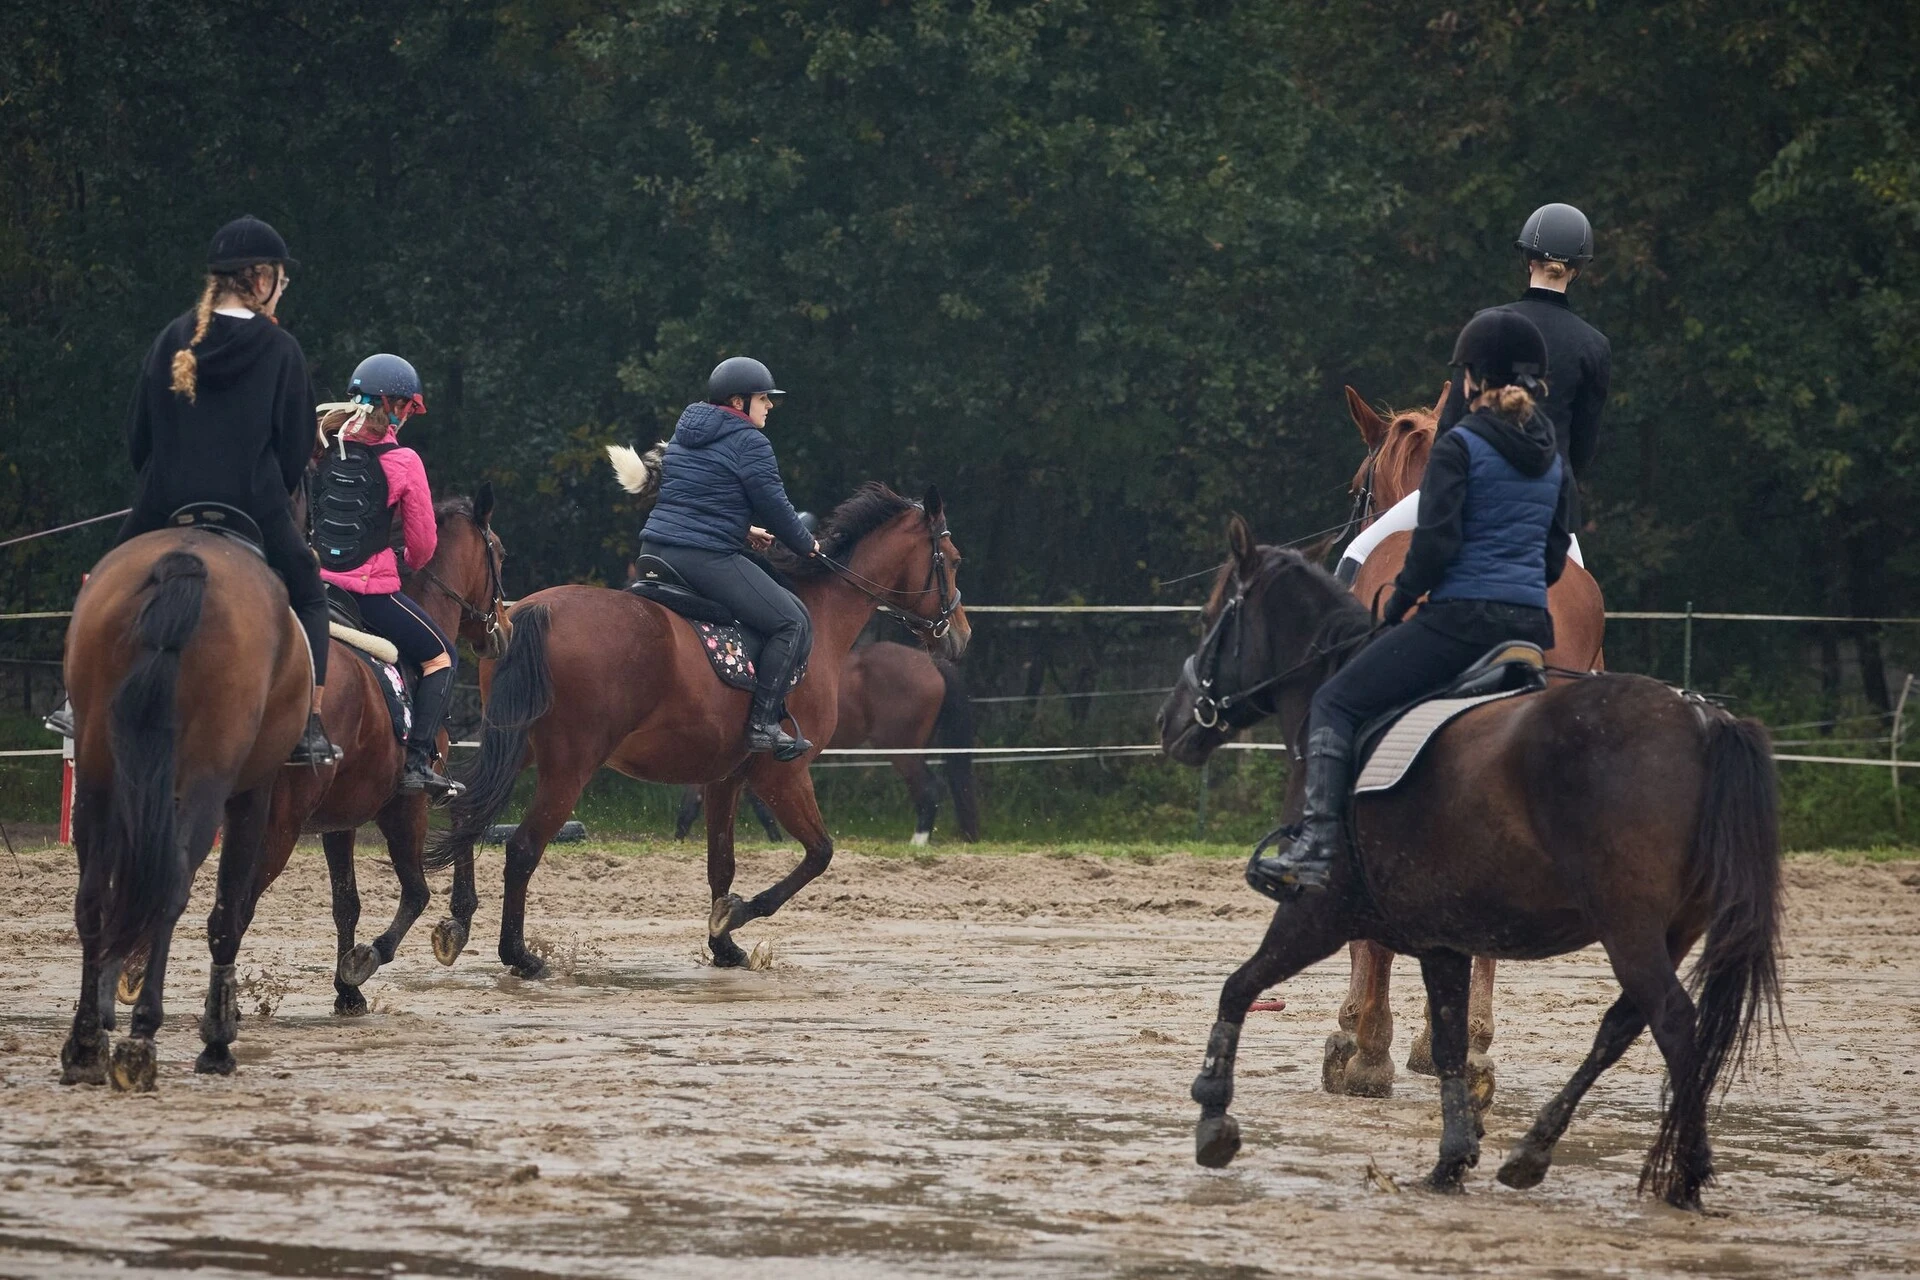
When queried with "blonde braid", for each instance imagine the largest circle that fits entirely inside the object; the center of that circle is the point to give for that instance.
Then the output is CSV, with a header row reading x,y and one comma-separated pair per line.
x,y
1511,402
186,369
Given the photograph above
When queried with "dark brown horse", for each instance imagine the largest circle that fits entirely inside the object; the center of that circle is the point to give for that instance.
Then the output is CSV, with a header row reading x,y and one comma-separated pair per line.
x,y
598,677
898,696
1610,809
460,590
1356,1060
191,682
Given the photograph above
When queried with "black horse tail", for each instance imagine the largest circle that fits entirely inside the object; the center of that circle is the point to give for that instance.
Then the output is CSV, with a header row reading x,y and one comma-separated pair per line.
x,y
146,870
1735,860
521,693
953,727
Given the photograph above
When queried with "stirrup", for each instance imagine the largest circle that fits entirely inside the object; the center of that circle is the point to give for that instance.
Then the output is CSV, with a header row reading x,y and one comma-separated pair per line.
x,y
315,750
1289,873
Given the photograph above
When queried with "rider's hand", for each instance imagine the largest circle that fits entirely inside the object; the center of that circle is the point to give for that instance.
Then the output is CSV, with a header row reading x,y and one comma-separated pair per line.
x,y
759,539
816,547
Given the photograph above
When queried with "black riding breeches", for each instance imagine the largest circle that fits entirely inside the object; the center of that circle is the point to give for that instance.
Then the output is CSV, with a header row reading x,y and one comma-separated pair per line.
x,y
1398,666
418,638
759,602
287,555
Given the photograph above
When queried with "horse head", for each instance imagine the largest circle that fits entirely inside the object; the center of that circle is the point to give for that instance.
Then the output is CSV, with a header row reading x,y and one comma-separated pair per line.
x,y
1397,447
1275,626
899,554
465,571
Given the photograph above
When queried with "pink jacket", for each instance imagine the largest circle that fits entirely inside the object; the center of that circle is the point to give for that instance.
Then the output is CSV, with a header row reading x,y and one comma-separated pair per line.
x,y
406,489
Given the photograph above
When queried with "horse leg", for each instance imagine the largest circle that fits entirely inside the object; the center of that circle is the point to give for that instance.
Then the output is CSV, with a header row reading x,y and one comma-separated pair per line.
x,y
237,894
1681,1161
451,934
1447,975
1480,1032
767,822
403,821
926,796
721,797
788,790
1296,937
554,797
347,1000
689,810
1527,1163
83,1058
1356,1061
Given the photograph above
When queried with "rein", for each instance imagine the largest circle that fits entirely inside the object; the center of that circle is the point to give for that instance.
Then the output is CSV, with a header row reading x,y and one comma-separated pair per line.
x,y
490,619
938,579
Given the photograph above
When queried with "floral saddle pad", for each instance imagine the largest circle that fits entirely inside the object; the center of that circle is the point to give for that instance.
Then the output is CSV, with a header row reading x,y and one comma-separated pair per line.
x,y
733,650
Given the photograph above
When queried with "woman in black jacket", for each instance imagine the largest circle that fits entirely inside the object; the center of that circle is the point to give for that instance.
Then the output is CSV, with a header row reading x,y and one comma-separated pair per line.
x,y
224,413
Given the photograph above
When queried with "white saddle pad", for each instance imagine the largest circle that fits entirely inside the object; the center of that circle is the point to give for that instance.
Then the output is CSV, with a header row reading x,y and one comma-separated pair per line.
x,y
366,642
1402,744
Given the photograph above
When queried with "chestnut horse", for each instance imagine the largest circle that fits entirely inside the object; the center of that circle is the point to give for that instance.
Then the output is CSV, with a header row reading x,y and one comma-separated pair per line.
x,y
1356,1060
598,677
1607,809
898,696
460,590
191,683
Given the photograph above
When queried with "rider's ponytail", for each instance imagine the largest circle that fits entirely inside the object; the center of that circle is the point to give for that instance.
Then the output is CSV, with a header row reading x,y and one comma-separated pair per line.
x,y
1512,402
638,473
186,367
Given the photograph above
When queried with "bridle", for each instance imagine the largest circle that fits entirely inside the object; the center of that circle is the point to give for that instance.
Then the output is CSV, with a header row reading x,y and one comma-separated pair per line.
x,y
1242,708
939,578
490,618
1362,509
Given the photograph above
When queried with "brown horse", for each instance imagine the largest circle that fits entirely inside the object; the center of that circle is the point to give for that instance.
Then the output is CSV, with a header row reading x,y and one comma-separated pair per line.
x,y
1609,809
897,696
595,677
460,590
1356,1060
191,683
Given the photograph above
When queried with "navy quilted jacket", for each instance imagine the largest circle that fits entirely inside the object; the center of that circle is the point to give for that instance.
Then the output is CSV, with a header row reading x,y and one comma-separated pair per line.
x,y
719,477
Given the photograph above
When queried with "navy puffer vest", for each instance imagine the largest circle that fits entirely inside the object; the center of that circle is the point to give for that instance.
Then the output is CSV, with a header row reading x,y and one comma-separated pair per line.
x,y
1504,525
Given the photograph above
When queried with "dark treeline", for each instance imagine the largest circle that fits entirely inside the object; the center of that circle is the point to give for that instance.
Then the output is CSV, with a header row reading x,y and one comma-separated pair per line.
x,y
1097,269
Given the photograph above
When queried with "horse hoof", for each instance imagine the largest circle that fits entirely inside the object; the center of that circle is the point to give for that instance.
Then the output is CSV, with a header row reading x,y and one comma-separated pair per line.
x,y
1216,1141
722,918
214,1060
357,965
132,981
532,968
727,953
1420,1056
1526,1167
349,1003
1341,1046
1446,1178
1369,1077
84,1061
134,1065
449,940
1480,1081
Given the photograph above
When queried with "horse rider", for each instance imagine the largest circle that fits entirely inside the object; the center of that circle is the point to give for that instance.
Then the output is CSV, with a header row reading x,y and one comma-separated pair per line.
x,y
719,477
1558,243
363,475
1493,533
221,415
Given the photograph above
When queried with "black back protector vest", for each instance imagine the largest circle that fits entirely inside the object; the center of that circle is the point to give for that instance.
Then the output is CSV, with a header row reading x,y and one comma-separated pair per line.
x,y
352,521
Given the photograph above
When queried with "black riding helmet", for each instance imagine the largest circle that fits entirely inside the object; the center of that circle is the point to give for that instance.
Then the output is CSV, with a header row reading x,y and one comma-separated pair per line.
x,y
1502,348
388,377
740,376
1558,233
246,242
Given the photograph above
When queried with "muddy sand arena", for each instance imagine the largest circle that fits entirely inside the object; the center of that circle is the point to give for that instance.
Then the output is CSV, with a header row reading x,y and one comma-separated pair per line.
x,y
970,1065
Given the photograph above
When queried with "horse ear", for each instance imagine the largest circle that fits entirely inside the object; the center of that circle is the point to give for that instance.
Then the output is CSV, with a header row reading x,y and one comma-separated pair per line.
x,y
483,504
931,504
1440,405
1240,540
1373,427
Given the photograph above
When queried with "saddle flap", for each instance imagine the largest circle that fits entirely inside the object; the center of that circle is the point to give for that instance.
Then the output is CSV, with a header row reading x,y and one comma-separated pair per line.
x,y
228,521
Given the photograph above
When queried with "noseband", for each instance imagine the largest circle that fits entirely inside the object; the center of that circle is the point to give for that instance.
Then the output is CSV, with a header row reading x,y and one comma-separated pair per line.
x,y
1241,708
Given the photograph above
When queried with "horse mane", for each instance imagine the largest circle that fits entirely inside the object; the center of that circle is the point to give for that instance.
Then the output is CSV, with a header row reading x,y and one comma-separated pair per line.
x,y
447,508
872,505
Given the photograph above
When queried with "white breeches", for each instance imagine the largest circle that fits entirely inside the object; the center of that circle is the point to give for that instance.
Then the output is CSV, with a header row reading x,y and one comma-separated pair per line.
x,y
1403,517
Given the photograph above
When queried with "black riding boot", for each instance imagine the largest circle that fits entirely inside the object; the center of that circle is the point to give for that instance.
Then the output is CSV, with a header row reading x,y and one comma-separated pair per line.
x,y
1312,845
315,750
430,695
60,719
763,725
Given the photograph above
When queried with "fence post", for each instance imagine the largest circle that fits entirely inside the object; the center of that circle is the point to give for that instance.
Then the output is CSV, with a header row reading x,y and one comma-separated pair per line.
x,y
1893,748
1686,651
1200,807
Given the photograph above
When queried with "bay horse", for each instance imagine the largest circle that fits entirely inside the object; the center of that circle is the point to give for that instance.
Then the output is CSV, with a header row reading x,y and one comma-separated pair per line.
x,y
596,676
459,588
191,682
898,696
1608,809
1356,1060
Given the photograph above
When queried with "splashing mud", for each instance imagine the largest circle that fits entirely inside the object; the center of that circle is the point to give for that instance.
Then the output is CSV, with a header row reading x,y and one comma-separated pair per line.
x,y
970,1066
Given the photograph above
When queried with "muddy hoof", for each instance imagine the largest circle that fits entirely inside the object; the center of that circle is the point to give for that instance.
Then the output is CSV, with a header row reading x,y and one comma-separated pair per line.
x,y
726,952
1341,1046
449,940
84,1061
727,915
1370,1078
532,968
349,1003
214,1060
134,1065
1526,1167
357,965
1446,1178
1420,1056
1480,1080
1216,1141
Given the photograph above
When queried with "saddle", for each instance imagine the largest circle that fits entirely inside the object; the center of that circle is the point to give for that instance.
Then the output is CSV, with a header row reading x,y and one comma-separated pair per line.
x,y
228,522
731,648
345,624
1387,748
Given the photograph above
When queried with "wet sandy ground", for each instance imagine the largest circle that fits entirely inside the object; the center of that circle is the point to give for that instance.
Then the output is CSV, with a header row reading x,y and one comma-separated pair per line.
x,y
956,1066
